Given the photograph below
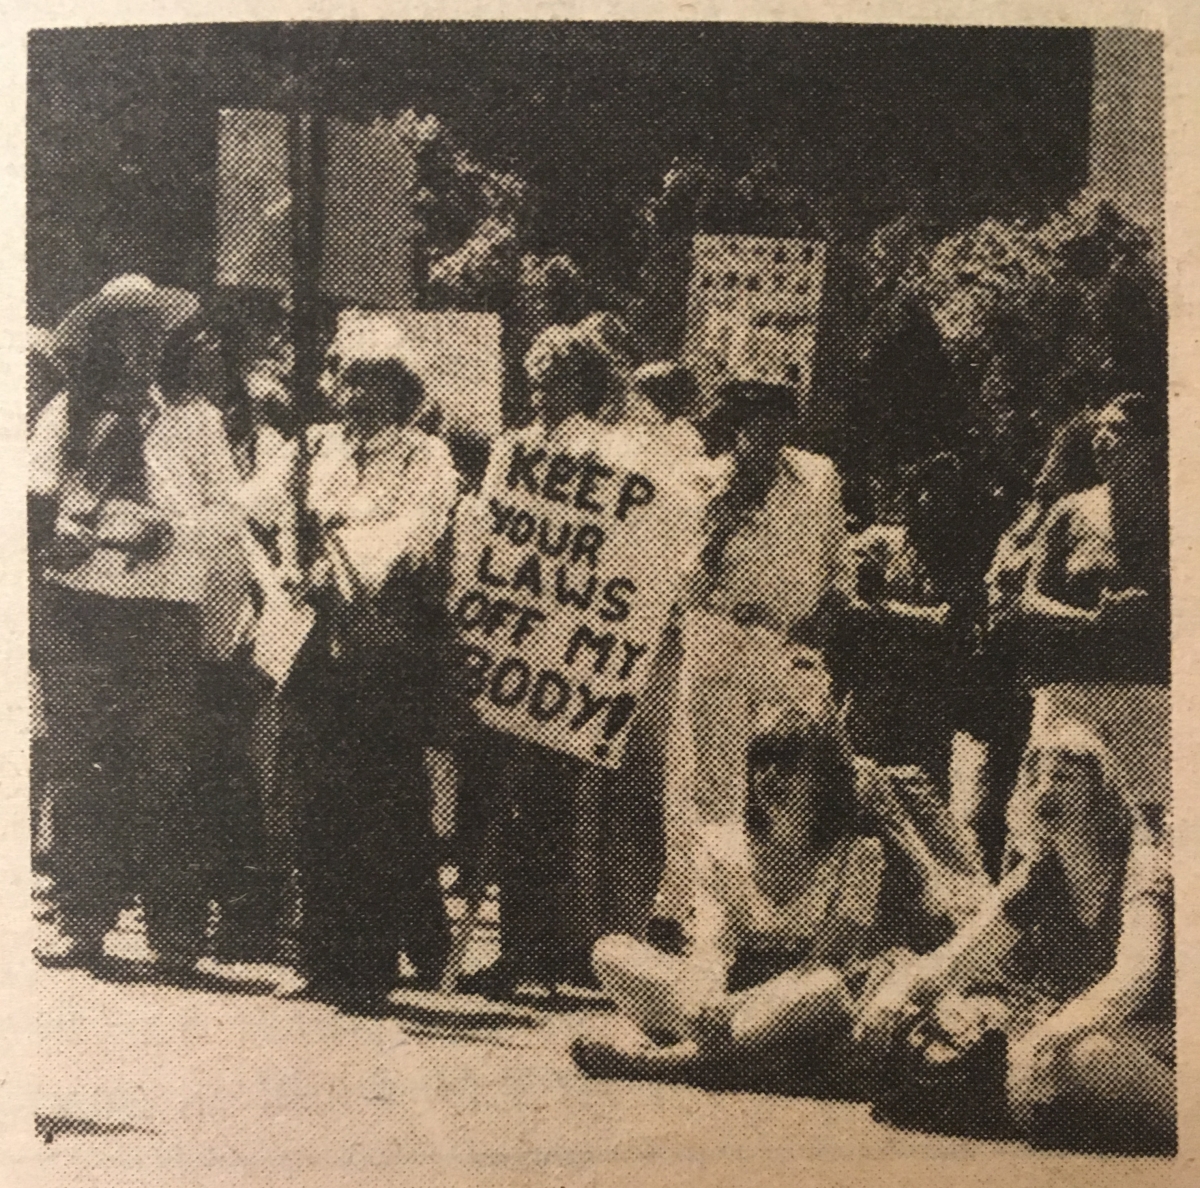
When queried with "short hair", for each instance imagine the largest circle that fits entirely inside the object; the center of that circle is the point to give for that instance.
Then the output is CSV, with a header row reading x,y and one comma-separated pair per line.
x,y
387,380
803,744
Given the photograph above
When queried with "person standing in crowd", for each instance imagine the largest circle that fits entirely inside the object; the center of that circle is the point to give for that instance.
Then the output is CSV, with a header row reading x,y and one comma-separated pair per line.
x,y
43,381
1072,958
997,705
515,797
805,902
651,430
134,539
261,359
359,698
1096,595
779,535
230,696
774,552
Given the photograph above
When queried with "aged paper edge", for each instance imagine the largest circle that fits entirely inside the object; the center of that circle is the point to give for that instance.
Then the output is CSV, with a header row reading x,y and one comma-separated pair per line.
x,y
1179,20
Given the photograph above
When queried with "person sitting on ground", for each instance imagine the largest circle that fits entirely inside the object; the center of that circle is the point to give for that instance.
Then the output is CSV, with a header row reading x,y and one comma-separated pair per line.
x,y
800,911
1072,958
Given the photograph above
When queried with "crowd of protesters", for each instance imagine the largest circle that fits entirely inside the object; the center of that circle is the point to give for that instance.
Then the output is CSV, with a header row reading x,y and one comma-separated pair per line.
x,y
246,689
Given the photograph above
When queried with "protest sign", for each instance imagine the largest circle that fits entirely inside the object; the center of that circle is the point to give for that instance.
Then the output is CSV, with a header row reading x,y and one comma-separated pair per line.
x,y
752,311
254,200
566,566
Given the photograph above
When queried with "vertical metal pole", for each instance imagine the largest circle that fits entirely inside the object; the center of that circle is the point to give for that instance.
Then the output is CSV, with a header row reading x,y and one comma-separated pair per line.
x,y
306,152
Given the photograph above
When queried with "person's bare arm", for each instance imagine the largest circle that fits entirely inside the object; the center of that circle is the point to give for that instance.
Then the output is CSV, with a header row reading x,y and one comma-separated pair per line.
x,y
1035,598
978,947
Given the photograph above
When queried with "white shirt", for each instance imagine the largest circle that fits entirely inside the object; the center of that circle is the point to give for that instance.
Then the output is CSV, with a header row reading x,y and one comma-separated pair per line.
x,y
794,548
191,482
376,501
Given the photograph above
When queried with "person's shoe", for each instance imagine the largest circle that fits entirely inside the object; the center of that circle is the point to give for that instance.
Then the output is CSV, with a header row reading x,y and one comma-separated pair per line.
x,y
496,982
174,966
346,995
248,976
58,951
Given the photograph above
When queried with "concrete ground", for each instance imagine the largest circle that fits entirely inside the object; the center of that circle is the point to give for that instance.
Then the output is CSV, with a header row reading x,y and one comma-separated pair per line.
x,y
169,1086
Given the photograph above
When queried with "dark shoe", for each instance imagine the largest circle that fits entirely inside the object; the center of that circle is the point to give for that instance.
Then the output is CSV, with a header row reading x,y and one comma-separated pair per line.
x,y
348,997
496,982
61,952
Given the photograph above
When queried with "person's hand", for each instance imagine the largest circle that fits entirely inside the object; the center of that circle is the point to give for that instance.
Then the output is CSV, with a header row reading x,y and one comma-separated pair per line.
x,y
123,522
897,1004
137,531
155,540
965,1019
951,894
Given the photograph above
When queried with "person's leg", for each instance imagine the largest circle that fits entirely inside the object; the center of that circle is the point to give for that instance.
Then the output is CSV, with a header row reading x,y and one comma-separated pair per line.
x,y
793,1007
424,926
481,806
233,819
634,844
88,765
662,1022
1108,1092
357,899
772,1028
647,985
176,854
91,860
1100,1091
540,856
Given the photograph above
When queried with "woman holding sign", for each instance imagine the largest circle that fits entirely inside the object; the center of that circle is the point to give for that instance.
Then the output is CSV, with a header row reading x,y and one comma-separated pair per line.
x,y
518,794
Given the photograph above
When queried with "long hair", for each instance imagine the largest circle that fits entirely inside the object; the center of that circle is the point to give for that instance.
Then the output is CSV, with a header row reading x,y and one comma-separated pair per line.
x,y
739,404
802,744
106,446
1109,807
